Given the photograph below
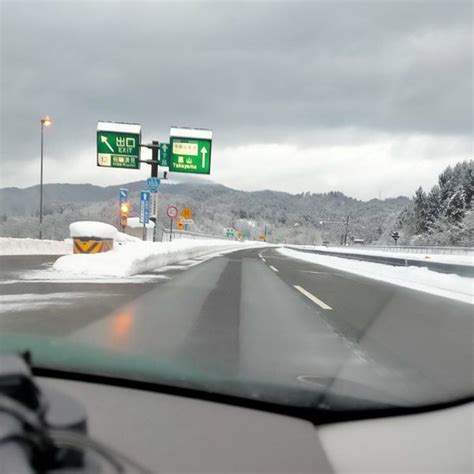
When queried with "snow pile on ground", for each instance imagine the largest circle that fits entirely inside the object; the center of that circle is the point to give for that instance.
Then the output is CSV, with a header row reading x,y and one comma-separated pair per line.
x,y
15,246
121,237
141,257
421,279
441,258
134,223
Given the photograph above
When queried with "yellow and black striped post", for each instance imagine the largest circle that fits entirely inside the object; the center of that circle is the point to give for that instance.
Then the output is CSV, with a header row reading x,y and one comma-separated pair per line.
x,y
92,245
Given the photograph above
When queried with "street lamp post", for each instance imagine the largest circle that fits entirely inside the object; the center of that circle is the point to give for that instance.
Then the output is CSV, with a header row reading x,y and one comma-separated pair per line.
x,y
45,122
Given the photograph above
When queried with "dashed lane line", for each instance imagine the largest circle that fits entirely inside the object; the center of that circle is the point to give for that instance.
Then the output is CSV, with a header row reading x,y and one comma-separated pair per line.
x,y
313,298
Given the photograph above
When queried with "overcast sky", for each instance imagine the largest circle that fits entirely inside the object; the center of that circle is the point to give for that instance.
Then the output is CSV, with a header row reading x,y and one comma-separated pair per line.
x,y
371,98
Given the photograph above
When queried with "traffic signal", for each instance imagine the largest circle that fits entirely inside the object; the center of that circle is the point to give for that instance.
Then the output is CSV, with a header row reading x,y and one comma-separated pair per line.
x,y
124,210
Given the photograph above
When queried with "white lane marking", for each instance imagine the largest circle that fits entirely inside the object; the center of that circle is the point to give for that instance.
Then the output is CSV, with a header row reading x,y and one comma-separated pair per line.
x,y
313,298
273,268
263,260
330,274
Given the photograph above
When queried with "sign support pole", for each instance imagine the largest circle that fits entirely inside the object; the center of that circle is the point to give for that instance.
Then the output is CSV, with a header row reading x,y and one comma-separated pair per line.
x,y
154,174
171,229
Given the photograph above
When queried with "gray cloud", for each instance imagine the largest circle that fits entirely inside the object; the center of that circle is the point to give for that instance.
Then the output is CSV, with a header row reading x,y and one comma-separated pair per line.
x,y
255,72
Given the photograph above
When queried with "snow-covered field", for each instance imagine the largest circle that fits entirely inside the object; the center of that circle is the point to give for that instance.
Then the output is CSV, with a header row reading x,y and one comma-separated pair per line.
x,y
441,258
421,279
140,257
13,246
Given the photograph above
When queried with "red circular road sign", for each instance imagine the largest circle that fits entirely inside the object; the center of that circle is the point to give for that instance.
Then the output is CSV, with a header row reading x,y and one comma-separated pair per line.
x,y
172,212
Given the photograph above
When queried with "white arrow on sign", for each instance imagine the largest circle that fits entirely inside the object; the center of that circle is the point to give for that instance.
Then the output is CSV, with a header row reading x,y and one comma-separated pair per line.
x,y
203,154
104,140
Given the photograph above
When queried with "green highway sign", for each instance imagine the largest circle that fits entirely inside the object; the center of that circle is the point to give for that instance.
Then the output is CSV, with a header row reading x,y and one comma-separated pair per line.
x,y
118,145
165,152
190,150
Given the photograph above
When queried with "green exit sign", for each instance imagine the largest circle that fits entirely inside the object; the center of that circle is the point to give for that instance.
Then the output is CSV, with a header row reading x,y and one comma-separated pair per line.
x,y
190,150
165,152
118,145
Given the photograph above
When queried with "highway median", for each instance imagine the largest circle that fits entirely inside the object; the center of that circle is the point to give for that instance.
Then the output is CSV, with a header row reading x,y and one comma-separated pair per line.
x,y
133,258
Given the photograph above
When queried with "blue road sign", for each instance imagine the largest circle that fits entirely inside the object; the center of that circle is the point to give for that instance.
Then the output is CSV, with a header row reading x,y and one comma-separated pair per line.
x,y
123,195
144,207
153,184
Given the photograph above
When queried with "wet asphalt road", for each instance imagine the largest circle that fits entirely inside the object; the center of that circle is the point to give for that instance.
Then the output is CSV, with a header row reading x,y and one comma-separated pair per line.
x,y
257,314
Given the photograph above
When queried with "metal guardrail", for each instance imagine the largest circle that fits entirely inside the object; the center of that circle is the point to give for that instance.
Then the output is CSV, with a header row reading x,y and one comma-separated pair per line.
x,y
186,234
452,268
432,250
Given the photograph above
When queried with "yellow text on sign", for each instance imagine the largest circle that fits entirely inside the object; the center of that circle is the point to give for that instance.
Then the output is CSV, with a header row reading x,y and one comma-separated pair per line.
x,y
190,149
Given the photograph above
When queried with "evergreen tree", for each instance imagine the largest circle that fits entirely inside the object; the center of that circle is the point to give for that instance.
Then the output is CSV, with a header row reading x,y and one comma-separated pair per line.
x,y
434,206
455,206
421,211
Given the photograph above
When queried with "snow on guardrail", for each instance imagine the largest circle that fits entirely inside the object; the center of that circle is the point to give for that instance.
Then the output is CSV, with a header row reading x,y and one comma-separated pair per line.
x,y
186,234
464,257
421,279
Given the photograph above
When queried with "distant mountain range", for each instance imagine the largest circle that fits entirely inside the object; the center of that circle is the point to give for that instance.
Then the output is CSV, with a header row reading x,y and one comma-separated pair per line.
x,y
284,217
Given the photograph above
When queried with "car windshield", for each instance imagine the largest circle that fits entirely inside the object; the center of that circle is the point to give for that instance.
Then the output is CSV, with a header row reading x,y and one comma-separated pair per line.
x,y
270,201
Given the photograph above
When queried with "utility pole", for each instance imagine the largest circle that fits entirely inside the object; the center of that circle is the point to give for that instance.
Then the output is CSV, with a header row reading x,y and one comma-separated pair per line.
x,y
346,232
346,228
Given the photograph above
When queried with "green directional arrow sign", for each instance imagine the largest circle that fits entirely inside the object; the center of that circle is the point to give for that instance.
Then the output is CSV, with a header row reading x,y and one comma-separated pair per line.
x,y
118,145
190,150
165,152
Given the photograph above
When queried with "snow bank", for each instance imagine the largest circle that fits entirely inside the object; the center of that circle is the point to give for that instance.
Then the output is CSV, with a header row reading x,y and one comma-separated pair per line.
x,y
15,246
121,237
421,279
134,223
441,258
141,257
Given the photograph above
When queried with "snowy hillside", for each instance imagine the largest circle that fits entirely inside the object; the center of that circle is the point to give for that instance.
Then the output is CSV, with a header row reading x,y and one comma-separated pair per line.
x,y
286,217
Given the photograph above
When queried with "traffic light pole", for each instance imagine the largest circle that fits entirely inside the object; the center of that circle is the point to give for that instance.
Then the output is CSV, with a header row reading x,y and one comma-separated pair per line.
x,y
154,174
